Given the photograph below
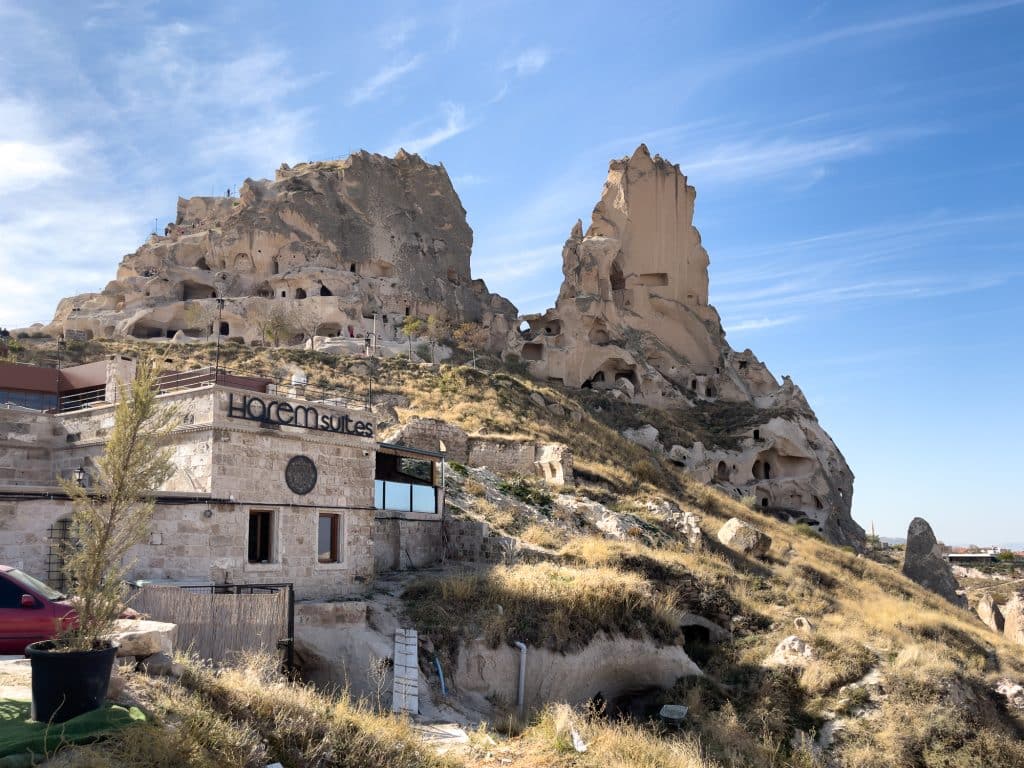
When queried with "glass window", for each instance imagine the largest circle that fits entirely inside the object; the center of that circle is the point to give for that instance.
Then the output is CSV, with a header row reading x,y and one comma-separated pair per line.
x,y
328,539
378,494
10,594
396,496
423,498
31,582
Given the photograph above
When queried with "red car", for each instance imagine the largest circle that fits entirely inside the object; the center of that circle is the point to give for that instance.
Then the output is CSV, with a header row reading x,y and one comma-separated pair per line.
x,y
29,611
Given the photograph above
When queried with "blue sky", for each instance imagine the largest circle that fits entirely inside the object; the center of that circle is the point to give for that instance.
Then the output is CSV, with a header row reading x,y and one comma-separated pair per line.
x,y
858,168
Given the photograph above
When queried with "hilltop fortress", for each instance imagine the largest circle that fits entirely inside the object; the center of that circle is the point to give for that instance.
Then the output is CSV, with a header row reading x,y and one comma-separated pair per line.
x,y
365,242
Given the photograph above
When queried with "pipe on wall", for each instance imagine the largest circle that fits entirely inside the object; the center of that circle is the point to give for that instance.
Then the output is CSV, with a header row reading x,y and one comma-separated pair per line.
x,y
521,693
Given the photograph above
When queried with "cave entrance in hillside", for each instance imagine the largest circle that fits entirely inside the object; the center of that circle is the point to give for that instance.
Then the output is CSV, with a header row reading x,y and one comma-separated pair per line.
x,y
300,293
225,329
767,471
201,264
325,291
722,471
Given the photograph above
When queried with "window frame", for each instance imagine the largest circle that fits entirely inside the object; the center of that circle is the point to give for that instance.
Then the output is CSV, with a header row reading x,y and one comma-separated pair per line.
x,y
273,545
336,555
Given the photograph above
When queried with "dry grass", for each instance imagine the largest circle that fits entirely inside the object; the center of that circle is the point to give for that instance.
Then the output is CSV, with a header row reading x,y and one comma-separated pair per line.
x,y
542,604
937,663
249,716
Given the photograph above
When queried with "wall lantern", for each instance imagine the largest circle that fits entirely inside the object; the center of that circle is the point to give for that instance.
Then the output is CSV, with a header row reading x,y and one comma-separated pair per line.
x,y
80,476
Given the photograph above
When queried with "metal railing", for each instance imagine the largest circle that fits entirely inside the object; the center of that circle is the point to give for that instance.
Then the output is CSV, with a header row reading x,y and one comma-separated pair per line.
x,y
202,377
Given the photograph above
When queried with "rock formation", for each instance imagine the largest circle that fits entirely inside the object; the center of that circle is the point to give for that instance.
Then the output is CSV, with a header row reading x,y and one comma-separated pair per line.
x,y
744,538
924,563
632,317
341,243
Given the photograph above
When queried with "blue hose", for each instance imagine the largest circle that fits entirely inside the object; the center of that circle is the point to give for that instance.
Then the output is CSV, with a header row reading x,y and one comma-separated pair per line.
x,y
440,674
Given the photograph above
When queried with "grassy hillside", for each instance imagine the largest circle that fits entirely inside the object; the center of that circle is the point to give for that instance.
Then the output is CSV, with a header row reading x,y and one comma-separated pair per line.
x,y
903,678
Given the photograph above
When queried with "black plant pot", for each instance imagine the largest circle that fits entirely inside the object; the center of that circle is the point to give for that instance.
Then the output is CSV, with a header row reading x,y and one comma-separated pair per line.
x,y
66,684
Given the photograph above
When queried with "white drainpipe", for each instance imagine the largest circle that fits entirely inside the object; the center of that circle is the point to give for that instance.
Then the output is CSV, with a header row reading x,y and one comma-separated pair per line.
x,y
521,695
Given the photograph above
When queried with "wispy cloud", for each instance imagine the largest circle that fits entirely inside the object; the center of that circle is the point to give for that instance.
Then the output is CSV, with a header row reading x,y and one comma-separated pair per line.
x,y
454,124
866,29
760,324
376,85
529,62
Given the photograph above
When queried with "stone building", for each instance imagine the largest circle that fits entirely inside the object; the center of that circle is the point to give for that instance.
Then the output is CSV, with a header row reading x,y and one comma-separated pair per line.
x,y
272,484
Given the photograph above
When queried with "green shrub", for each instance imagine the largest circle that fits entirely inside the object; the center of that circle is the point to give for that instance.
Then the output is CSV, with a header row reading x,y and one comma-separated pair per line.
x,y
527,491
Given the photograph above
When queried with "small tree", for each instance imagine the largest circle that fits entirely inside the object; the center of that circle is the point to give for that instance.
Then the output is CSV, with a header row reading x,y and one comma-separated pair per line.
x,y
438,332
272,321
202,315
413,328
116,514
472,337
305,318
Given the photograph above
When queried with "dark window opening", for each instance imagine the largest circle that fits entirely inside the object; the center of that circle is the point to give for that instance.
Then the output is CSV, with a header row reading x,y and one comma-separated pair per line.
x,y
300,293
406,311
284,294
276,267
757,434
722,472
225,329
767,471
743,365
201,264
764,502
693,385
328,547
260,536
817,503
710,391
352,268
325,291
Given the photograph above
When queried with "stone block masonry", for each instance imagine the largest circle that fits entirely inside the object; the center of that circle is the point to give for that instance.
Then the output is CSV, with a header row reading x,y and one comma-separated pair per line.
x,y
405,690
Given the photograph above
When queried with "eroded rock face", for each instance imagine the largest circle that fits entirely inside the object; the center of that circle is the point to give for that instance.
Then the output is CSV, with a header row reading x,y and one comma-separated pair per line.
x,y
744,538
341,241
990,614
632,317
925,564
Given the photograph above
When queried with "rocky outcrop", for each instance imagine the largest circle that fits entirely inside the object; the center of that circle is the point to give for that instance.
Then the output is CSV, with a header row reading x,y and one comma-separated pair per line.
x,y
790,652
1013,617
744,538
350,248
632,318
990,614
925,564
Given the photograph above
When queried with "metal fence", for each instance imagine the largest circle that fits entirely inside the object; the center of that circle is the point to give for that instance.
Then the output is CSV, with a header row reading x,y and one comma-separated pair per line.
x,y
201,377
221,621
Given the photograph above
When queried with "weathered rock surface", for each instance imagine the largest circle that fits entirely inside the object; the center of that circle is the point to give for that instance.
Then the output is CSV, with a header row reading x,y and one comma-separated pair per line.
x,y
138,637
990,614
340,242
632,317
161,665
790,652
925,564
1012,692
744,538
1013,618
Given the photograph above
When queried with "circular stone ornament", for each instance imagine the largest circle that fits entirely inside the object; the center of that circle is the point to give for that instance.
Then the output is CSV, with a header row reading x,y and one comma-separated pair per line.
x,y
300,474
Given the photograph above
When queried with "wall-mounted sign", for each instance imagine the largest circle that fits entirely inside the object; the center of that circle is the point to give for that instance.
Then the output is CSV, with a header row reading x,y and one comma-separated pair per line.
x,y
300,474
288,415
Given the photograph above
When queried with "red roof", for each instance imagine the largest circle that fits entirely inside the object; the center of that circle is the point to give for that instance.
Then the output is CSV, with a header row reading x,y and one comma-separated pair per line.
x,y
37,378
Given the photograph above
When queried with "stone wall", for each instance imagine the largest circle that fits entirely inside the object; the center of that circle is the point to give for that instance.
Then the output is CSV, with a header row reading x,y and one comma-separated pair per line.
x,y
26,447
404,540
227,469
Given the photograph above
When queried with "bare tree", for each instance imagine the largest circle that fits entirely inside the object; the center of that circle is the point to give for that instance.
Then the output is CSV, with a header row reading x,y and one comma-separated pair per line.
x,y
306,318
272,320
202,314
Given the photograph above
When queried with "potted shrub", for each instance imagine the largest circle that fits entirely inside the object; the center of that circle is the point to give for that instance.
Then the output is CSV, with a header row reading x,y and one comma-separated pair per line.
x,y
70,674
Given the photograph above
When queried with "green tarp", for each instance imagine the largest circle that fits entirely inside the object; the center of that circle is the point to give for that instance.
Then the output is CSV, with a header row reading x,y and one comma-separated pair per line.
x,y
23,742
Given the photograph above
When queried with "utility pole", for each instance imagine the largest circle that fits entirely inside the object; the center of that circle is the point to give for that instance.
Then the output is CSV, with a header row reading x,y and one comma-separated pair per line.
x,y
220,312
60,343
